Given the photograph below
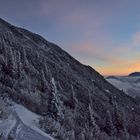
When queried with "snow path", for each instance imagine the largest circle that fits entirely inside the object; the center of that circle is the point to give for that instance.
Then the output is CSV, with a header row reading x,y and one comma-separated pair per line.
x,y
30,121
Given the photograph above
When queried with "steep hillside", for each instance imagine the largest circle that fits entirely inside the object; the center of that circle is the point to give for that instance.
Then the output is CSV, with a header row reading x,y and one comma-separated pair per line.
x,y
75,101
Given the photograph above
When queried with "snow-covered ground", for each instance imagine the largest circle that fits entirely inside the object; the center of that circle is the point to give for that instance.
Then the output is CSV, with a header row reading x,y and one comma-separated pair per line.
x,y
30,119
130,85
20,124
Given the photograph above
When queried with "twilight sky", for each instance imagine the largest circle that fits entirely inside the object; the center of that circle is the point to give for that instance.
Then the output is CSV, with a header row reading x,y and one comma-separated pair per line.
x,y
104,34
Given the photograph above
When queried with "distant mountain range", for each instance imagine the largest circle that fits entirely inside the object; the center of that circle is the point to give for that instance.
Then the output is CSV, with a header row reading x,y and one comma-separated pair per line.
x,y
129,84
46,94
134,74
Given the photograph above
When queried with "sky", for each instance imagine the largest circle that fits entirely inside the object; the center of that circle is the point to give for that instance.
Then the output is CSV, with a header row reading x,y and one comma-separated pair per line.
x,y
104,34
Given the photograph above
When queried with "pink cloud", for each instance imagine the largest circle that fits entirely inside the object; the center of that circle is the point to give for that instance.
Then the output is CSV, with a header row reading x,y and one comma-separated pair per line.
x,y
107,57
96,51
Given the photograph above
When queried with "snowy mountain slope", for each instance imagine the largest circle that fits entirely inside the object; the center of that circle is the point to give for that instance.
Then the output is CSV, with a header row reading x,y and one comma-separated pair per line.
x,y
74,101
18,123
129,84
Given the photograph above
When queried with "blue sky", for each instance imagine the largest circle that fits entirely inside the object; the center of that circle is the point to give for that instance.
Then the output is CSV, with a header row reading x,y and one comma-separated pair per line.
x,y
102,33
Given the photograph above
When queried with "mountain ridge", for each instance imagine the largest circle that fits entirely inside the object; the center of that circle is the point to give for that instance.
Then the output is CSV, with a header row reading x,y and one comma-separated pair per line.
x,y
134,74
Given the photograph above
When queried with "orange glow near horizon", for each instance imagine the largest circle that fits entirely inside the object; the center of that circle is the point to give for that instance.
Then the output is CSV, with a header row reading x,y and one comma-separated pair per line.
x,y
118,71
